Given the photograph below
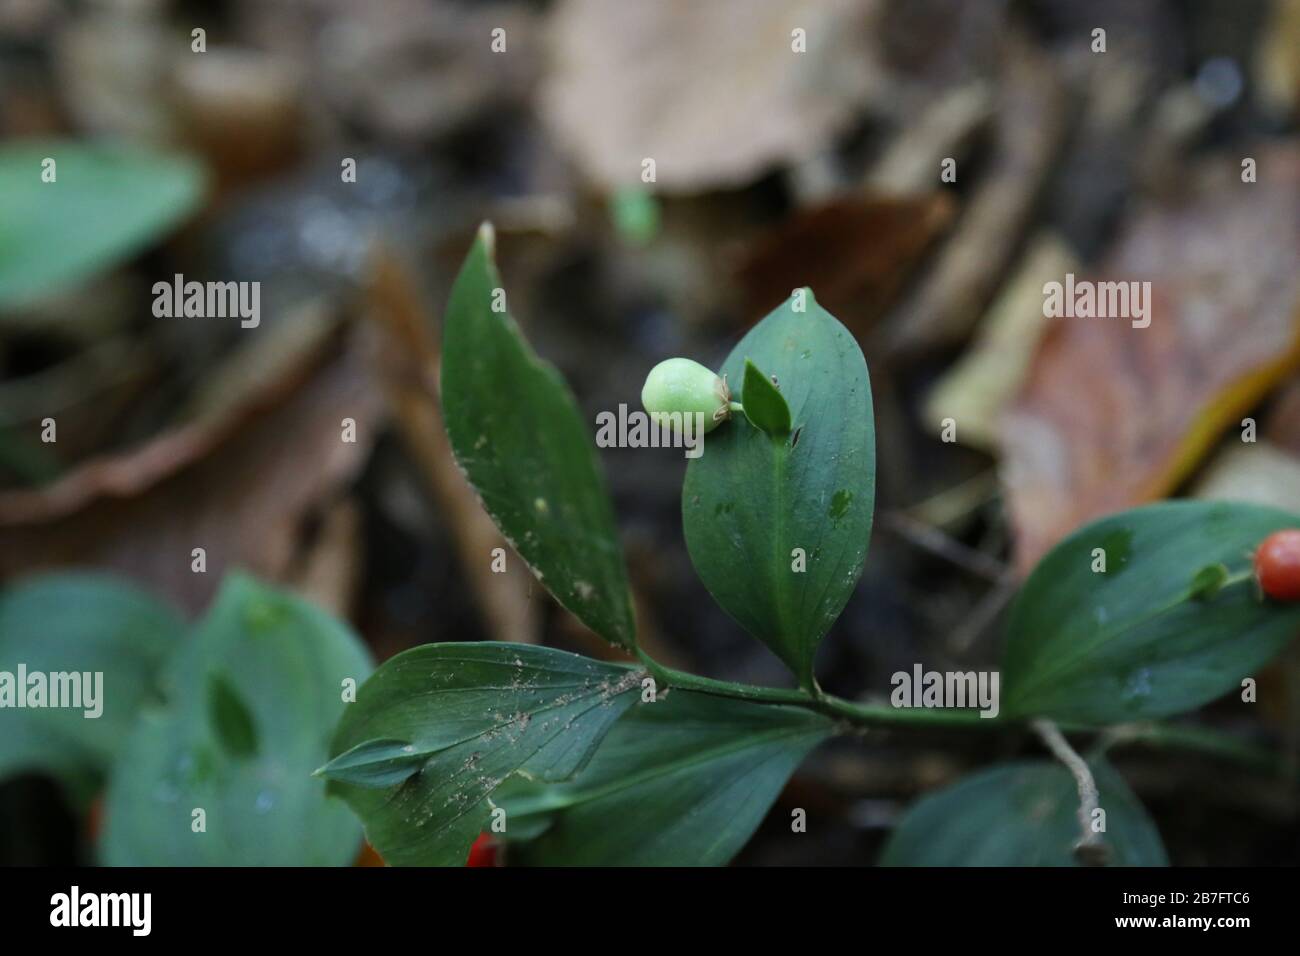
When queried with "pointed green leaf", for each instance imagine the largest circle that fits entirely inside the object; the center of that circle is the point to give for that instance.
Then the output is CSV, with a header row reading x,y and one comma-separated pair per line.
x,y
634,211
106,203
778,530
86,624
1021,814
521,440
1208,581
1142,638
765,407
681,782
476,713
285,662
377,763
231,718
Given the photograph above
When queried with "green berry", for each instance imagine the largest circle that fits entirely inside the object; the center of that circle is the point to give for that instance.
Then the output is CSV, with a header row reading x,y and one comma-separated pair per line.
x,y
685,387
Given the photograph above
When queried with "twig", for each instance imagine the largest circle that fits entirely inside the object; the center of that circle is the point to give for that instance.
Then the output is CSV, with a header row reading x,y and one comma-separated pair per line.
x,y
950,549
958,502
1029,128
1090,850
979,617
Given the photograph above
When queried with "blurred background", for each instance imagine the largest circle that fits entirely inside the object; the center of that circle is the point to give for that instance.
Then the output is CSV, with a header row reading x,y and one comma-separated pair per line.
x,y
794,143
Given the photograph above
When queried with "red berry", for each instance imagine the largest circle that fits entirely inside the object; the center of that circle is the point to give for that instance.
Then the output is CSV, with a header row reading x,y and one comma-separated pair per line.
x,y
483,852
1277,565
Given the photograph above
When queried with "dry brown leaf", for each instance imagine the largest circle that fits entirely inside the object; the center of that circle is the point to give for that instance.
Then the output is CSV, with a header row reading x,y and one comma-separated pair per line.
x,y
1252,471
85,394
411,70
241,109
1113,416
328,570
257,375
1282,426
408,367
1277,63
974,392
711,91
946,129
854,253
111,69
952,293
238,487
269,363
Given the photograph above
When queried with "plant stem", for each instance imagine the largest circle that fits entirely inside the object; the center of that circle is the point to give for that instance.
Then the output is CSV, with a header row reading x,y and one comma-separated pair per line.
x,y
859,715
884,715
1090,849
1247,574
721,688
1203,740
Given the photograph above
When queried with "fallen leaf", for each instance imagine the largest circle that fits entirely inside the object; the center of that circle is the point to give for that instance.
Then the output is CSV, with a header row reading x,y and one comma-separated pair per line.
x,y
84,393
952,293
974,392
111,72
328,571
1282,426
712,92
239,488
1252,471
1277,62
946,129
1113,415
241,109
854,253
257,375
410,70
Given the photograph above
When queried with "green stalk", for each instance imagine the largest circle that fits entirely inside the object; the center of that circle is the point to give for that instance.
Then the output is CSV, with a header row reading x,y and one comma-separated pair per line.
x,y
859,715
721,688
863,716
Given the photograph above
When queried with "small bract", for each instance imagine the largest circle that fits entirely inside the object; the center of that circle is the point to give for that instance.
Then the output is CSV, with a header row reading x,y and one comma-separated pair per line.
x,y
680,387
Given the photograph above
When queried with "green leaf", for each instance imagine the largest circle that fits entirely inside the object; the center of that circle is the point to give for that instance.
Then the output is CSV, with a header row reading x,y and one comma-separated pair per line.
x,y
87,624
1208,581
1021,814
521,440
231,718
748,502
476,713
681,782
376,763
107,203
765,407
284,662
634,211
1143,640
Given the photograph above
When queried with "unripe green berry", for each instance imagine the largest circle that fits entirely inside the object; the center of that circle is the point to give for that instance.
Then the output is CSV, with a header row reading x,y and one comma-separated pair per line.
x,y
686,387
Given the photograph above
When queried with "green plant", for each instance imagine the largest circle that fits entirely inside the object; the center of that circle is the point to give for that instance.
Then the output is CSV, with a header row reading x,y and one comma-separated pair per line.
x,y
1143,615
72,210
208,735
